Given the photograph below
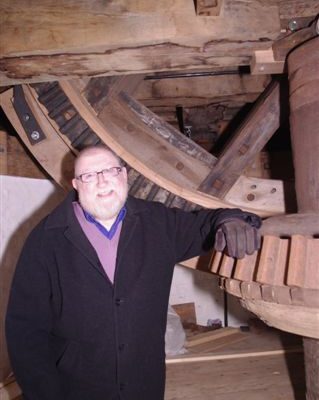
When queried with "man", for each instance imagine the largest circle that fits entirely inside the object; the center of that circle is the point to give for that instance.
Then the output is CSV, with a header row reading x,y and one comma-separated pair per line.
x,y
87,312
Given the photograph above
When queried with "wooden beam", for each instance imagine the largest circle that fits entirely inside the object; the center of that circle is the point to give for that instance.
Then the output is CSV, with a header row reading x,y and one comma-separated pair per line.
x,y
210,357
165,130
290,10
283,46
263,62
46,42
292,224
100,91
52,152
201,90
251,137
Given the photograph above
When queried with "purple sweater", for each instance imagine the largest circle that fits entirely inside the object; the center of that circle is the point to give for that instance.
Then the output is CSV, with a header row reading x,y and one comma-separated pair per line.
x,y
105,248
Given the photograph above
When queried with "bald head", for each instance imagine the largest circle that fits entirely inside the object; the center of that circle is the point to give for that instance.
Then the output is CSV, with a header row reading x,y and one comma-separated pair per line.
x,y
90,151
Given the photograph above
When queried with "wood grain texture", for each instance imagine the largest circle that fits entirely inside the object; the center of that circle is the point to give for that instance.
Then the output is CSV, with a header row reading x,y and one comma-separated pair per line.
x,y
295,319
247,141
109,38
51,153
155,158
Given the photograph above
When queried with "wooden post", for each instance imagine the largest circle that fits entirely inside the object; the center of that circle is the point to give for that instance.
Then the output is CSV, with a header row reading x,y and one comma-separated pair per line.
x,y
303,70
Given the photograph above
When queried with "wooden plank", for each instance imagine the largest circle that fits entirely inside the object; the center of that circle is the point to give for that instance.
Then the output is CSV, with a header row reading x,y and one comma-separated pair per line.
x,y
186,312
304,271
251,137
208,7
210,336
245,267
226,266
298,258
312,265
218,344
216,261
272,266
251,378
263,62
210,357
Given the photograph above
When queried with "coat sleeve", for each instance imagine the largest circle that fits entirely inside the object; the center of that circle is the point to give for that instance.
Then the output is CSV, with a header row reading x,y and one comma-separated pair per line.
x,y
28,325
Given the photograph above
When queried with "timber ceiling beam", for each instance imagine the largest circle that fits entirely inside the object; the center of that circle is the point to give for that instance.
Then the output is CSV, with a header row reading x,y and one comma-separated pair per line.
x,y
51,40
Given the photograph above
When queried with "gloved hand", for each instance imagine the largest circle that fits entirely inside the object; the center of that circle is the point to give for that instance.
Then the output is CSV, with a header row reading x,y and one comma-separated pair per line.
x,y
238,237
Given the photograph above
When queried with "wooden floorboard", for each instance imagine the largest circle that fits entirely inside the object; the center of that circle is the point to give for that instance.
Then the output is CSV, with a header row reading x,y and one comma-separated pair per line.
x,y
266,365
251,377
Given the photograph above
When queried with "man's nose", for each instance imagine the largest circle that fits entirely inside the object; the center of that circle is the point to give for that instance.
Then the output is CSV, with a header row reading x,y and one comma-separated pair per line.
x,y
101,178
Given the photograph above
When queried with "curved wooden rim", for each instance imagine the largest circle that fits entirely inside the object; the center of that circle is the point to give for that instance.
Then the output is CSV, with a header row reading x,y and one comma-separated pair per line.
x,y
107,135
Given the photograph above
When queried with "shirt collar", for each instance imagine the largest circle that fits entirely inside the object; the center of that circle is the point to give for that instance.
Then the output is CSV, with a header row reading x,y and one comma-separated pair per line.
x,y
108,233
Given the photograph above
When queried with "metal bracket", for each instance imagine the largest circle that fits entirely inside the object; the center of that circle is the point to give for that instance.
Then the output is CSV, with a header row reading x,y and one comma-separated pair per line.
x,y
32,129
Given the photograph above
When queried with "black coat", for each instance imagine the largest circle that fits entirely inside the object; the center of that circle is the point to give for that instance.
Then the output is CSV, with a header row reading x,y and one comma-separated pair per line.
x,y
71,334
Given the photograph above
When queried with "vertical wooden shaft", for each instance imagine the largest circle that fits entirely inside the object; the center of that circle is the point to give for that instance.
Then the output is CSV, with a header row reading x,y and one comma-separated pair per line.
x,y
303,67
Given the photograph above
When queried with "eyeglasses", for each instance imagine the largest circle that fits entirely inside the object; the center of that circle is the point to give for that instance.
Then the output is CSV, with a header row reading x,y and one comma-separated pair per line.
x,y
89,177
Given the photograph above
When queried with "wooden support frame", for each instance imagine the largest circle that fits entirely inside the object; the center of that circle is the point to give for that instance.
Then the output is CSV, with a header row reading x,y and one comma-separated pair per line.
x,y
251,137
263,62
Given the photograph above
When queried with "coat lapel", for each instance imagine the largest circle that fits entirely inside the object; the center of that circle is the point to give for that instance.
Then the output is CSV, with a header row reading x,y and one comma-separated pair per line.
x,y
63,217
77,237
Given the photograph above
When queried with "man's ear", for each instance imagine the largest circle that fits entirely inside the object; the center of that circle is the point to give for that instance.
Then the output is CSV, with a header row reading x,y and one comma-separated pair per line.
x,y
125,172
75,183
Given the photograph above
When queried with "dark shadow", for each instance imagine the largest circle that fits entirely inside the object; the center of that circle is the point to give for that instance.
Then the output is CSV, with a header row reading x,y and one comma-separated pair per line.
x,y
295,363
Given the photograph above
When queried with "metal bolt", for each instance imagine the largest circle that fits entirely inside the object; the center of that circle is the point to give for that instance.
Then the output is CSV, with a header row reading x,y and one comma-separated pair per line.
x,y
35,135
293,25
188,130
26,117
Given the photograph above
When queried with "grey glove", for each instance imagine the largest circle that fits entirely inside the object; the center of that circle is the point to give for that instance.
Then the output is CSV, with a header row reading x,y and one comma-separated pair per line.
x,y
238,237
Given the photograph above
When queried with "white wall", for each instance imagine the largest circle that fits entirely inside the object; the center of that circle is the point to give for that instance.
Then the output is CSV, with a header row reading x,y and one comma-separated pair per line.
x,y
23,203
201,288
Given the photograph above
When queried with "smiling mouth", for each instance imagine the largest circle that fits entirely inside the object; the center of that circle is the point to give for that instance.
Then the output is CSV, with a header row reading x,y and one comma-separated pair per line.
x,y
106,194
